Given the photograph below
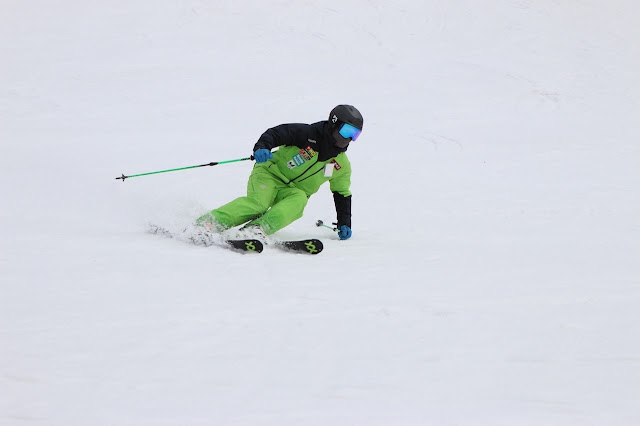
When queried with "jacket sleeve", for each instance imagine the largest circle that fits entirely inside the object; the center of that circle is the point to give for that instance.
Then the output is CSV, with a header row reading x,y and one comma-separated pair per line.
x,y
343,209
284,134
340,186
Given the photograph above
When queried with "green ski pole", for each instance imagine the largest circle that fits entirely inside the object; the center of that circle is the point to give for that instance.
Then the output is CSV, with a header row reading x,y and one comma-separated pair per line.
x,y
213,163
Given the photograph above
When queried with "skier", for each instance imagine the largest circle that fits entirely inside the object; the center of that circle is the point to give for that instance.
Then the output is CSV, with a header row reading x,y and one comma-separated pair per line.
x,y
282,181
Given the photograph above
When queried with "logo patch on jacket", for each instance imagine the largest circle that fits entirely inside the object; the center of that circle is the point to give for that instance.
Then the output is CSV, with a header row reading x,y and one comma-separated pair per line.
x,y
336,165
301,157
310,151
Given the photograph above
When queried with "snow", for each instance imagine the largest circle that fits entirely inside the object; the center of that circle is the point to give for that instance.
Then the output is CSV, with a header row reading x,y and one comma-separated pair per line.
x,y
494,273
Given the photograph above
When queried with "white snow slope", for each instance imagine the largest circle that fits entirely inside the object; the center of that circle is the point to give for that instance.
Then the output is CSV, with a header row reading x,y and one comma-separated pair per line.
x,y
494,273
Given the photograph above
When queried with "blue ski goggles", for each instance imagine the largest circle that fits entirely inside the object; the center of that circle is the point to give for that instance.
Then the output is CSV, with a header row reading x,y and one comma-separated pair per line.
x,y
349,131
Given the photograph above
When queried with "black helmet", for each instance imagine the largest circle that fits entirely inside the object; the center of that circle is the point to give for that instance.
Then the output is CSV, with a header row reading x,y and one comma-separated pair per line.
x,y
346,114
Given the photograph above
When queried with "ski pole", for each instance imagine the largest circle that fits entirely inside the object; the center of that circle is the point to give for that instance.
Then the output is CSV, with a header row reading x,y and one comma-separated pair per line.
x,y
213,163
320,223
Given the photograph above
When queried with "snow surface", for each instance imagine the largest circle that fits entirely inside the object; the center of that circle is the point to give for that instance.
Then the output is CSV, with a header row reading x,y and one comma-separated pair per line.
x,y
494,273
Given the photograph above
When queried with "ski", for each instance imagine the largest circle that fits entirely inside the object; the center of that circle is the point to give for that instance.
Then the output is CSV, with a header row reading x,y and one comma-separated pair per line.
x,y
251,245
205,239
309,246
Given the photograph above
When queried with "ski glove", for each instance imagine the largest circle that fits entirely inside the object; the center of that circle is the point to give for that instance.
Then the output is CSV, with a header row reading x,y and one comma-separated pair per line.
x,y
344,232
262,155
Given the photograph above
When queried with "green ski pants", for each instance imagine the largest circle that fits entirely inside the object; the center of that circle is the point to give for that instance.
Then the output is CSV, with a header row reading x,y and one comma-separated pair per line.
x,y
270,203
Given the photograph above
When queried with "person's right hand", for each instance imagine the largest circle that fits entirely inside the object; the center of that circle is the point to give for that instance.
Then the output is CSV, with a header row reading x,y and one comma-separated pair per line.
x,y
262,155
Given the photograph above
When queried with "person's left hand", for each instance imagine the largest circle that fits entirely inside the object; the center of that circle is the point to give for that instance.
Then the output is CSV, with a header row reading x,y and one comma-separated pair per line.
x,y
344,232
